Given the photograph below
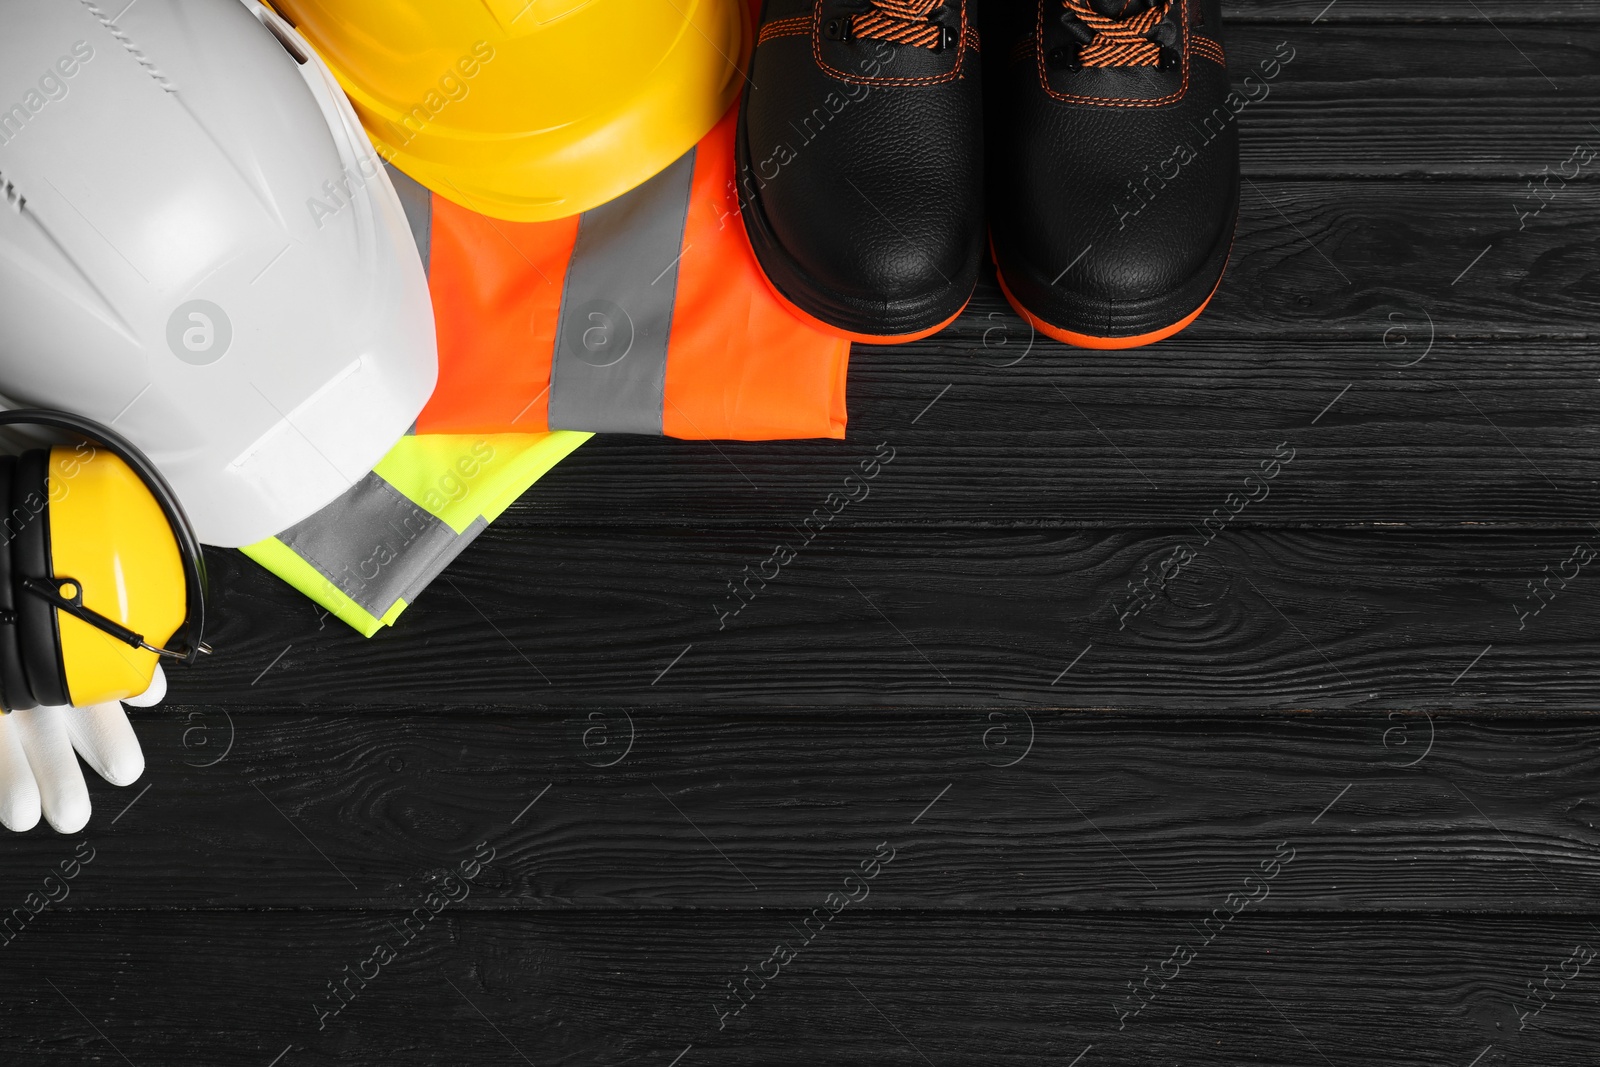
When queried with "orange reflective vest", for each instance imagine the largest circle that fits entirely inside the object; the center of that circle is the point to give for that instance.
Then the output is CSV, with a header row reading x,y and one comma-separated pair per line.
x,y
647,314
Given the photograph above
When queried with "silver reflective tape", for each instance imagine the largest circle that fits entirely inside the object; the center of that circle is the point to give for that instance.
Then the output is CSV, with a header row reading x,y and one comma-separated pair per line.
x,y
427,570
374,545
609,368
418,204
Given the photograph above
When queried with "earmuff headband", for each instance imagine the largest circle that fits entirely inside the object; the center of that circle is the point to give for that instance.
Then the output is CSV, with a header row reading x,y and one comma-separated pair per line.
x,y
183,532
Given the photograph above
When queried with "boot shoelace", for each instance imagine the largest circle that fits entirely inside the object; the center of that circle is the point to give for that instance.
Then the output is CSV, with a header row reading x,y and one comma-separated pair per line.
x,y
1141,39
908,22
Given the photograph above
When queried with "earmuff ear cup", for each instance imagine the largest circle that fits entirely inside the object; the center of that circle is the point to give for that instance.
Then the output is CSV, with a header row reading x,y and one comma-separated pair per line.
x,y
35,654
37,633
15,694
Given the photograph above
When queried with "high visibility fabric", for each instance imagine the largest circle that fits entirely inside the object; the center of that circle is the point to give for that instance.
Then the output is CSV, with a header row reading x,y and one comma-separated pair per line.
x,y
369,554
608,371
645,315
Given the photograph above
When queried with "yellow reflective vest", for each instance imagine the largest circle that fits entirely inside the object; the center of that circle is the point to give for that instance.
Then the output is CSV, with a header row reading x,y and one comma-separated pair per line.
x,y
367,555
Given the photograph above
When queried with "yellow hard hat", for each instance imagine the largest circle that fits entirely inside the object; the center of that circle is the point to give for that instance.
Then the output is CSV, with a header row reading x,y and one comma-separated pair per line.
x,y
99,569
531,110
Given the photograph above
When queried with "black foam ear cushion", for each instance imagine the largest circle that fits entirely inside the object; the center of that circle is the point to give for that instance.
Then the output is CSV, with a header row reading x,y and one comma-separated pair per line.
x,y
15,694
37,632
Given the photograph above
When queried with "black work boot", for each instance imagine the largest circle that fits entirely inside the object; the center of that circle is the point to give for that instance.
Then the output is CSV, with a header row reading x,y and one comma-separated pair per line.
x,y
861,162
1113,164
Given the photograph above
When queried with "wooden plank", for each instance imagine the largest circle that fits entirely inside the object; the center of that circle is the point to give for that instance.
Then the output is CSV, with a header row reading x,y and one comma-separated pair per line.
x,y
904,988
1486,100
641,808
1420,298
1332,259
1493,432
1506,13
316,787
1256,621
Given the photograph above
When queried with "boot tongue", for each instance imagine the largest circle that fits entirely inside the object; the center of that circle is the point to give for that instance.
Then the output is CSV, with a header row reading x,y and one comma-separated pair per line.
x,y
1121,9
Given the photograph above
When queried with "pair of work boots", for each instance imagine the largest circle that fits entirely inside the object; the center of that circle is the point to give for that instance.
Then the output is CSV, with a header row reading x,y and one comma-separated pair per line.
x,y
1102,143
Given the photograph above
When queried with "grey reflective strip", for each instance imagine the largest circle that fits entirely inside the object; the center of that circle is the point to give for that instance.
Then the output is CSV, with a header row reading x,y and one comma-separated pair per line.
x,y
418,203
375,545
442,559
609,368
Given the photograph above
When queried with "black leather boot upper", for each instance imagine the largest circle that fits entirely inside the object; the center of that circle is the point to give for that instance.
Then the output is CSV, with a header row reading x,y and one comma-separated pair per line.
x,y
861,160
1113,160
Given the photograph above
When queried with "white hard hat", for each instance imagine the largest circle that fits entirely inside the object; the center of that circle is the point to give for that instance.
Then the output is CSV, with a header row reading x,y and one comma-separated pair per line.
x,y
199,247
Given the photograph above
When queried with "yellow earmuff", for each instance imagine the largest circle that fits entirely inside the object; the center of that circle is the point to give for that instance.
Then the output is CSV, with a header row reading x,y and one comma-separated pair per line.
x,y
99,569
107,533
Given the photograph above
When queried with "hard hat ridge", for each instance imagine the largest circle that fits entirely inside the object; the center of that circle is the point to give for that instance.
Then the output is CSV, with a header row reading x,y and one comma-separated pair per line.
x,y
531,111
165,266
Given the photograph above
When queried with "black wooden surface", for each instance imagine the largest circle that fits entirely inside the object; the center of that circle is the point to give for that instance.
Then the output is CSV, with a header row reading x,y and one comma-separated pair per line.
x,y
1351,672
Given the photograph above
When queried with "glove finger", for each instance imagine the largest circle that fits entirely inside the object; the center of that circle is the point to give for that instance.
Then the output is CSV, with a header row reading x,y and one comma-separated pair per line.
x,y
153,692
19,793
62,792
105,739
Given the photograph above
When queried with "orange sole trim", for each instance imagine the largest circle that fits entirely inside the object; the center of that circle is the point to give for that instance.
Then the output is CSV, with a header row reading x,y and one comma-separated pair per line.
x,y
862,338
1088,340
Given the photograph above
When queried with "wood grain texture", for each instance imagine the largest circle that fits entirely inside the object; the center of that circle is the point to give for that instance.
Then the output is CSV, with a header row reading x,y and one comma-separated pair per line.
x,y
994,812
1422,298
1333,259
1262,620
668,799
1506,13
1503,100
908,988
1479,432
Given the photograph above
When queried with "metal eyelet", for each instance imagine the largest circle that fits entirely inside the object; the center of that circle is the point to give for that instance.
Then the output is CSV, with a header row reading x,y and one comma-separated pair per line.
x,y
1064,57
837,29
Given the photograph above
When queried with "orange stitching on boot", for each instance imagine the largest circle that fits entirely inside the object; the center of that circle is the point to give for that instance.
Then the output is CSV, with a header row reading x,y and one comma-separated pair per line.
x,y
799,24
1206,48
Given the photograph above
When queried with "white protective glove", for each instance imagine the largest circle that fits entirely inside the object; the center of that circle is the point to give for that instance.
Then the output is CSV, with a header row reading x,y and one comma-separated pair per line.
x,y
38,768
